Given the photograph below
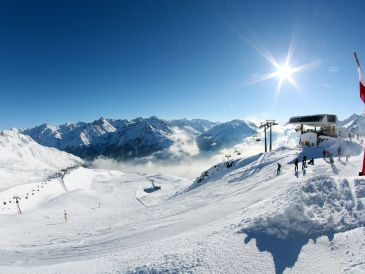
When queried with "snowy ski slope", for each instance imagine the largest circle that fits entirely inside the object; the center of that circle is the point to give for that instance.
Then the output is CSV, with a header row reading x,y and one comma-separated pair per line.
x,y
241,219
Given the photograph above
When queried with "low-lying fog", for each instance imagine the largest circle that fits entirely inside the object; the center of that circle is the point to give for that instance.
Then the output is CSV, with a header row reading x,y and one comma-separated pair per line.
x,y
185,160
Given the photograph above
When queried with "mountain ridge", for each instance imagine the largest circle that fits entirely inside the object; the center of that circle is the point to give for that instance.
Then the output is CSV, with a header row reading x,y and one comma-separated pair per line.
x,y
117,138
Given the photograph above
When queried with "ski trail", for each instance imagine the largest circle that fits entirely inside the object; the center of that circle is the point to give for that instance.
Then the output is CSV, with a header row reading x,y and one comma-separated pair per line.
x,y
62,183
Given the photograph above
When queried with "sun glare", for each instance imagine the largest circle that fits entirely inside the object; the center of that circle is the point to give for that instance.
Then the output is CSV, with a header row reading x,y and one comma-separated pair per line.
x,y
284,72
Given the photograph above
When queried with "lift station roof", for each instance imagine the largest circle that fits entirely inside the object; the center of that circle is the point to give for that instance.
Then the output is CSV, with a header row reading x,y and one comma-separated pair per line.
x,y
318,119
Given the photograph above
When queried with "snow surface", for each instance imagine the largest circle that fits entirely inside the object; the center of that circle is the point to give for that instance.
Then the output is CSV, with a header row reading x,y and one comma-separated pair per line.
x,y
22,160
238,219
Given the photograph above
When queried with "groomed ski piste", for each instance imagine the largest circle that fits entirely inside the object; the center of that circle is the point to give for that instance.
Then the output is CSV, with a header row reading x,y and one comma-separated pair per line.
x,y
238,219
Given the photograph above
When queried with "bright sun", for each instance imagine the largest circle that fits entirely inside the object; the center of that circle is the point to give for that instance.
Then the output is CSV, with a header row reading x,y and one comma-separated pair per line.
x,y
284,72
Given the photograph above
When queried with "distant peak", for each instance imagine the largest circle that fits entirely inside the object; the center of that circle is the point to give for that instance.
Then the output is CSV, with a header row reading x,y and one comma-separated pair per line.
x,y
101,120
153,117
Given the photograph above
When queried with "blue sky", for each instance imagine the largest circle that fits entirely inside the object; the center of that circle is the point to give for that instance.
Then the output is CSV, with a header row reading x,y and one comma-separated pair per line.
x,y
68,61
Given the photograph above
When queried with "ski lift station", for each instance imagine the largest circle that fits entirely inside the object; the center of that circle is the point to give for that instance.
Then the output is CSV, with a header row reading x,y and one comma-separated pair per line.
x,y
311,127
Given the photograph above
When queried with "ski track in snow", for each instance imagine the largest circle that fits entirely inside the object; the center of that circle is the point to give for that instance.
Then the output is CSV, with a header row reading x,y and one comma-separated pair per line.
x,y
186,226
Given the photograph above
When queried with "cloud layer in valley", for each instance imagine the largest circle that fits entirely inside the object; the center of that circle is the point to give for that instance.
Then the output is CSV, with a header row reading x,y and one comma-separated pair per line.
x,y
183,159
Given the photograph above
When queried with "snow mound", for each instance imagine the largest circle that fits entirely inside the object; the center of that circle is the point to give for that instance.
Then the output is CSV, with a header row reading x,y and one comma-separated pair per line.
x,y
320,206
360,188
171,264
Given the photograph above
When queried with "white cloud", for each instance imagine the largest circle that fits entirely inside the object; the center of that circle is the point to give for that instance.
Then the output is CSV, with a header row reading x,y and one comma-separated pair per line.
x,y
183,159
187,167
325,85
333,69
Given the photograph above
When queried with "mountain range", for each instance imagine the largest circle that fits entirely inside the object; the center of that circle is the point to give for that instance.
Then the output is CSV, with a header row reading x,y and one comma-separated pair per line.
x,y
140,137
124,139
355,124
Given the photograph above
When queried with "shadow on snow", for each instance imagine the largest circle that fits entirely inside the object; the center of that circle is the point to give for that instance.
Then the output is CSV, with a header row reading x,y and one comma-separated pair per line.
x,y
285,252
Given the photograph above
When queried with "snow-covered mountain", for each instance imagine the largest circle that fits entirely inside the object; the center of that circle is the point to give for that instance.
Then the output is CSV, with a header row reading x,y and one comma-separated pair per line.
x,y
119,139
111,137
140,137
72,137
225,135
355,124
24,159
194,127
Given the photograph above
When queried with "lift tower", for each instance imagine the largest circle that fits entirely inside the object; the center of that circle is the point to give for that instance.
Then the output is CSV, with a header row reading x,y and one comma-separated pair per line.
x,y
265,126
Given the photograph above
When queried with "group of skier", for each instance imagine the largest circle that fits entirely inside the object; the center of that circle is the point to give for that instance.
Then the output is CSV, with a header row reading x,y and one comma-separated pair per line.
x,y
304,163
296,164
327,154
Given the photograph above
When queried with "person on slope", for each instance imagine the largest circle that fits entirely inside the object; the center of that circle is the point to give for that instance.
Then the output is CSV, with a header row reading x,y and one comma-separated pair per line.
x,y
17,198
278,169
339,151
304,162
311,162
296,165
324,154
65,215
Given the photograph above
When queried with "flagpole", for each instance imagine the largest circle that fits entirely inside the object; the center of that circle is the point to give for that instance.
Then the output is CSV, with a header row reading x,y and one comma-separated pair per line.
x,y
362,96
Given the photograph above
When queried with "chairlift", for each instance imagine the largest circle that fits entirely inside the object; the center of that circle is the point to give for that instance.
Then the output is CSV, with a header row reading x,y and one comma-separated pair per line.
x,y
258,139
154,186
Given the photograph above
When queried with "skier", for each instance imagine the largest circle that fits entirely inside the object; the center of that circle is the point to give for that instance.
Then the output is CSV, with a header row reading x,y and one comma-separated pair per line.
x,y
304,162
324,154
17,198
339,150
278,169
65,215
331,159
347,157
296,165
311,162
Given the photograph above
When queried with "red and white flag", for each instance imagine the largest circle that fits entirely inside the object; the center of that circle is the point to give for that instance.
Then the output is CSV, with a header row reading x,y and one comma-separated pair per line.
x,y
362,96
362,85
